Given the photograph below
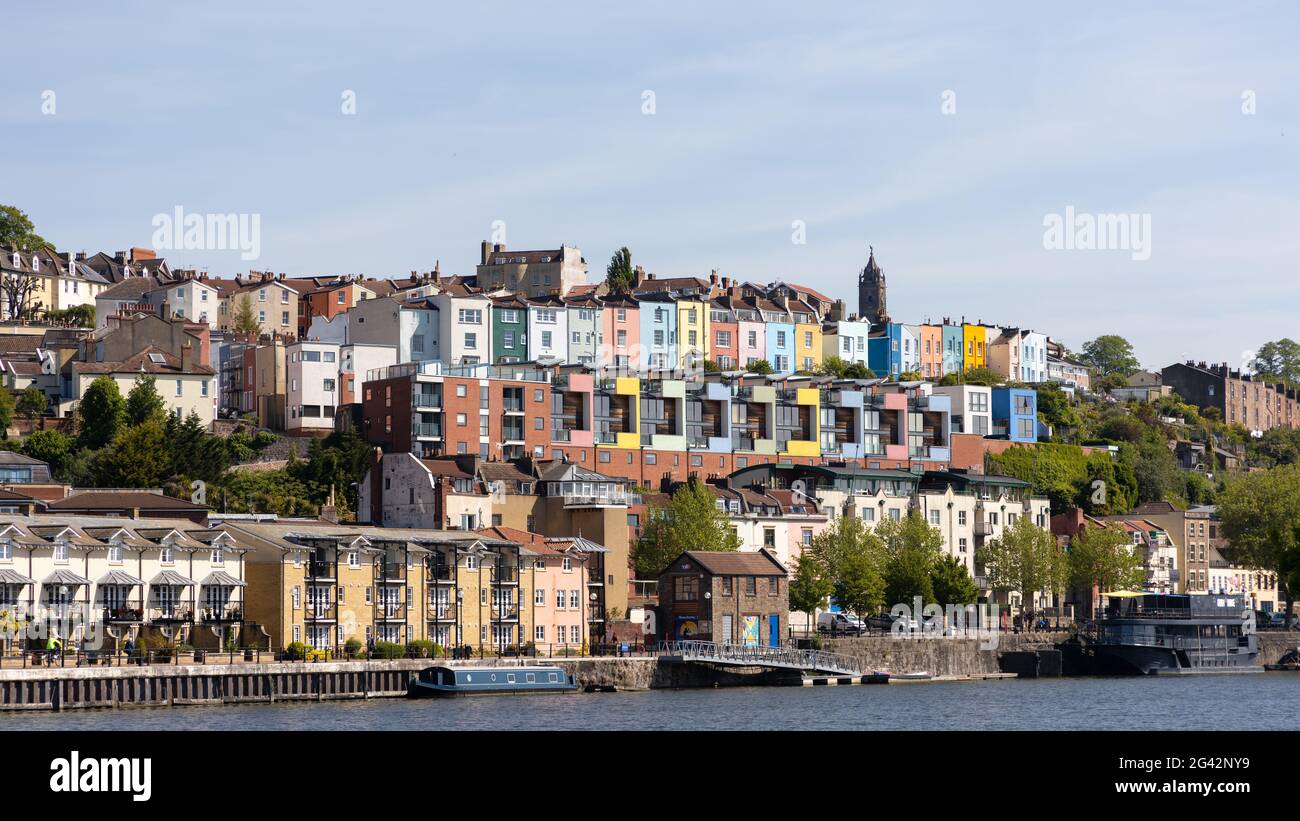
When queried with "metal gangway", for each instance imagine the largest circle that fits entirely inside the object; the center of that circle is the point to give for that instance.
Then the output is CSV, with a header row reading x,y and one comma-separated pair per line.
x,y
739,655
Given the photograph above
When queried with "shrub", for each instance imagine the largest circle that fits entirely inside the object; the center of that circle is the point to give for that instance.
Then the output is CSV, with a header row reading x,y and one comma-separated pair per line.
x,y
296,651
387,650
420,648
352,648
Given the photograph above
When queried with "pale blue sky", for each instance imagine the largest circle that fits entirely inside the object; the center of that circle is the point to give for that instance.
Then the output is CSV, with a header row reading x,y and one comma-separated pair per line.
x,y
765,113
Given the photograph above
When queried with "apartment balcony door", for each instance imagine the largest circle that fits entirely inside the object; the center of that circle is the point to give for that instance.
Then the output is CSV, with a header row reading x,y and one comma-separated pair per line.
x,y
318,602
390,604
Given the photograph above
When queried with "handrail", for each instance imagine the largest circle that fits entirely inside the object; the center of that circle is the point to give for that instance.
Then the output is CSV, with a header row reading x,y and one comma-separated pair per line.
x,y
820,660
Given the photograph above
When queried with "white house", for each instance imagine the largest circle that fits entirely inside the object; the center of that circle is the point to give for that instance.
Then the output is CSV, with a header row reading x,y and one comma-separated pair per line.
x,y
847,339
312,386
972,410
548,329
412,328
189,299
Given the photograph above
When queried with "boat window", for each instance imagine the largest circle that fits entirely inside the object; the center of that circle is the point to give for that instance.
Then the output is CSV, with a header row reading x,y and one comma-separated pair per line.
x,y
510,678
552,677
469,677
532,678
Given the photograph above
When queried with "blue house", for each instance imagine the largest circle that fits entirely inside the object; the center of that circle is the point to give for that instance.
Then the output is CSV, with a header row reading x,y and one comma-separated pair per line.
x,y
1015,414
780,346
952,349
658,332
892,351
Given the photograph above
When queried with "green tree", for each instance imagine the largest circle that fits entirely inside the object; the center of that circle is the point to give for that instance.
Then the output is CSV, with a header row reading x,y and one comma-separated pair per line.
x,y
832,366
619,274
16,229
1109,355
6,411
100,413
853,558
1278,361
143,402
52,447
690,521
811,586
856,370
245,320
1024,558
1261,520
973,376
32,403
82,316
762,367
1103,557
952,582
138,457
912,547
1056,410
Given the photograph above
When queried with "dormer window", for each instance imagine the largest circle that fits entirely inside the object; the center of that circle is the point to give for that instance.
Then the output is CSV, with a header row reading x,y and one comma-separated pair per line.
x,y
218,556
115,553
157,359
165,555
60,551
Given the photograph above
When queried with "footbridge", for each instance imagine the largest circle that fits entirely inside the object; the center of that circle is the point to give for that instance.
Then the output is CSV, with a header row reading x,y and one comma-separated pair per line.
x,y
737,655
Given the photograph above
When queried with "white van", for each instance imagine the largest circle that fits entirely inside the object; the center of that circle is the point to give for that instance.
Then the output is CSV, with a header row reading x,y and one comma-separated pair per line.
x,y
839,623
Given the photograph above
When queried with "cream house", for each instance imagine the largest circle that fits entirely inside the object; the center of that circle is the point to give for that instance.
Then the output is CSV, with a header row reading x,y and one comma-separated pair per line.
x,y
184,384
97,581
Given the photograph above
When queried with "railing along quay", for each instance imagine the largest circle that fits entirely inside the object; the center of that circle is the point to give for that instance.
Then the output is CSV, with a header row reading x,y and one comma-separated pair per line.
x,y
818,660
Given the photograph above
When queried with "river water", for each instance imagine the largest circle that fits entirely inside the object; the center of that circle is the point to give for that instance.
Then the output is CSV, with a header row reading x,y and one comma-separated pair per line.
x,y
1267,701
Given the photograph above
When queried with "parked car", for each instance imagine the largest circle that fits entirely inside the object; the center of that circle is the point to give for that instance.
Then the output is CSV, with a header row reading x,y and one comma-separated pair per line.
x,y
840,623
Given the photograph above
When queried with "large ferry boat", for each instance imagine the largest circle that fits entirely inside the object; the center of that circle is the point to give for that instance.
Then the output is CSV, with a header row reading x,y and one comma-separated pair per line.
x,y
1162,633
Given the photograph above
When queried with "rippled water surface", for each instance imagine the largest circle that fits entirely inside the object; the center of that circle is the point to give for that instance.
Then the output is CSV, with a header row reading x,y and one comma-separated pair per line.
x,y
1236,702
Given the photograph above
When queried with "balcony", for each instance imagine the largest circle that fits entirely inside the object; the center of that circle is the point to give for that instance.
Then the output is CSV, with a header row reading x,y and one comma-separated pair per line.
x,y
426,430
223,613
605,437
426,401
439,574
513,405
441,611
983,528
183,613
615,499
508,612
505,575
559,435
119,614
391,611
391,573
319,611
320,571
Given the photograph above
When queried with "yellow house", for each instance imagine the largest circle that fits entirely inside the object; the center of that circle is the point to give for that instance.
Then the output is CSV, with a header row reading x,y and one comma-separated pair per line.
x,y
807,402
692,332
975,342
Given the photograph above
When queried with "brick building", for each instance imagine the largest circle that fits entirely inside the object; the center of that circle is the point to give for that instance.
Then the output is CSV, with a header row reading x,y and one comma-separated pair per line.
x,y
1240,398
729,598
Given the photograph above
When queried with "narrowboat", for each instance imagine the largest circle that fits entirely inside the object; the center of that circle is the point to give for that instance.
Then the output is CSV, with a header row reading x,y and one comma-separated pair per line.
x,y
1160,633
479,681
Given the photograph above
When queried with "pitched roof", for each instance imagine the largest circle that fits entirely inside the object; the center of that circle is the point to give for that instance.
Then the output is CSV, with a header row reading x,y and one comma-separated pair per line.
x,y
726,563
120,500
150,360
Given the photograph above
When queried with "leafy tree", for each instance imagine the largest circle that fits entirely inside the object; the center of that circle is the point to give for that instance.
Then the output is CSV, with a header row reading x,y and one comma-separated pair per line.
x,y
143,402
911,376
1261,520
810,587
32,403
762,367
912,547
16,229
1278,361
856,370
101,412
853,558
6,411
82,316
973,376
245,320
832,366
690,521
138,457
1056,409
711,367
1023,558
1110,355
619,274
952,582
1103,557
52,447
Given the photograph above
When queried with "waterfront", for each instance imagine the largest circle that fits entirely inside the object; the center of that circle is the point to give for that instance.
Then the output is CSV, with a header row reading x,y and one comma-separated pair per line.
x,y
1240,702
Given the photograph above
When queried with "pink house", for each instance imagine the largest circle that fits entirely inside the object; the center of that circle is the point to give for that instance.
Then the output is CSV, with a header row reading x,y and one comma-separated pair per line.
x,y
621,332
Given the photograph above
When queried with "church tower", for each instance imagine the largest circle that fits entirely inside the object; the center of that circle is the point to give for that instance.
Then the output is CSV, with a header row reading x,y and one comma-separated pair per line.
x,y
871,292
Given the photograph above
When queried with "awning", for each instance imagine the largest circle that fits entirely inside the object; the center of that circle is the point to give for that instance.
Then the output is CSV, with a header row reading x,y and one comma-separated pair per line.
x,y
220,578
170,578
10,577
119,578
65,577
1124,594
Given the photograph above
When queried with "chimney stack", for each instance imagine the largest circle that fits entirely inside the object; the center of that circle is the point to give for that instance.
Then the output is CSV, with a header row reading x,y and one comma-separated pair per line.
x,y
187,357
485,252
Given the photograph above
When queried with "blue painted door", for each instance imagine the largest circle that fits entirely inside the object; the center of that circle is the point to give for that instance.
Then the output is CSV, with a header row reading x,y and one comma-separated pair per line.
x,y
774,630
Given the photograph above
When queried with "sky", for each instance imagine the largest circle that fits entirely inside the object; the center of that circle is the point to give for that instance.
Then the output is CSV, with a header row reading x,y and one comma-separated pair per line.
x,y
762,140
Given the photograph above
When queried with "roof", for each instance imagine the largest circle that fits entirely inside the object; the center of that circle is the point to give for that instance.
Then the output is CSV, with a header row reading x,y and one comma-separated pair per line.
x,y
150,360
130,289
118,577
171,578
8,576
220,578
733,563
122,500
62,576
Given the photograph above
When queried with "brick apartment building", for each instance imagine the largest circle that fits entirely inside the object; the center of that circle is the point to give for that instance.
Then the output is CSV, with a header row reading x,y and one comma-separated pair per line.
x,y
1239,397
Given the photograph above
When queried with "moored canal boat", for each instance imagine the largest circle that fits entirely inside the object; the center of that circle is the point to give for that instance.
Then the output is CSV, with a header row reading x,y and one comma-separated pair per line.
x,y
478,681
1150,633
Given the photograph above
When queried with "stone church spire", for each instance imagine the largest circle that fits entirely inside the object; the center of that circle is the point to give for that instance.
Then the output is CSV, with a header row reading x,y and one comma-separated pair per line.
x,y
871,291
